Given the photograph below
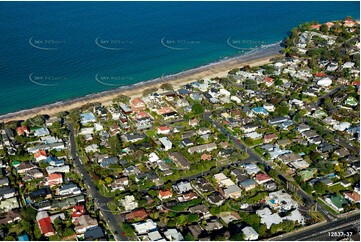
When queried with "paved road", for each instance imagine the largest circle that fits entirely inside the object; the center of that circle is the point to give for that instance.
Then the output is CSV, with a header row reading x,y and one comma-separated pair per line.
x,y
322,232
100,201
339,140
254,157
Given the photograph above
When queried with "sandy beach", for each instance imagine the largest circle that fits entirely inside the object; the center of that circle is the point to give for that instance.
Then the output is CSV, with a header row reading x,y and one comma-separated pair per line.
x,y
217,69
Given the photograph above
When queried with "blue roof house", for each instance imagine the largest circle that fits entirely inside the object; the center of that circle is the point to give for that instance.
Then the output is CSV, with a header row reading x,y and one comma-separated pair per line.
x,y
260,110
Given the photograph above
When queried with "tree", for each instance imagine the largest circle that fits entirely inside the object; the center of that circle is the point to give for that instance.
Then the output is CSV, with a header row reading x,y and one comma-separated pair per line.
x,y
148,91
122,99
197,108
167,86
320,188
108,180
324,28
115,145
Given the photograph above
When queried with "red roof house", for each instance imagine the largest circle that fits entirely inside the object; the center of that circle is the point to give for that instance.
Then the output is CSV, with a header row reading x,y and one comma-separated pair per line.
x,y
316,26
262,178
352,196
269,137
189,196
137,104
163,130
137,214
268,81
78,211
55,179
320,74
165,194
22,130
46,227
206,157
40,155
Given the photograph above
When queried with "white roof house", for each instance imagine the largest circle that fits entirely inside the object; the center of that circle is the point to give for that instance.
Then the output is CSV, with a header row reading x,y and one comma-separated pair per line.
x,y
296,216
268,218
92,148
236,99
281,200
9,204
324,82
182,187
41,132
155,236
342,126
173,235
348,65
145,227
166,143
249,233
233,191
86,131
57,169
219,177
253,135
226,182
251,168
98,127
153,157
87,118
129,202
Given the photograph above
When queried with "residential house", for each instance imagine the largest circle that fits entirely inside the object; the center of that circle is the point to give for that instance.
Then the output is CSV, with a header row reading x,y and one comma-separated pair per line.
x,y
10,217
202,148
83,223
94,233
248,184
165,194
166,143
69,189
87,118
201,209
262,178
249,233
336,202
182,187
55,179
173,235
22,130
145,227
137,214
137,104
269,138
129,203
119,184
353,197
215,198
232,191
163,130
268,218
9,204
78,211
44,223
7,192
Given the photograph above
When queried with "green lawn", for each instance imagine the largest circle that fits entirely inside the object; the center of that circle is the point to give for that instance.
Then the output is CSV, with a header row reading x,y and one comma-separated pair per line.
x,y
151,133
336,188
328,208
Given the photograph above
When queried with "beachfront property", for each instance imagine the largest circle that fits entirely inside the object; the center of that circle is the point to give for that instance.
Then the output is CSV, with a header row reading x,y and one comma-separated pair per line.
x,y
187,151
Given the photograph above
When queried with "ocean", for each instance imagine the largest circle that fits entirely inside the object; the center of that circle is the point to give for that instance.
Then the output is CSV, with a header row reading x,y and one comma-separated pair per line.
x,y
55,51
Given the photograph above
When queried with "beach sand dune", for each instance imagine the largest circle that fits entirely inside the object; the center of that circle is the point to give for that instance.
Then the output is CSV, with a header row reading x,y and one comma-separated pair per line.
x,y
218,69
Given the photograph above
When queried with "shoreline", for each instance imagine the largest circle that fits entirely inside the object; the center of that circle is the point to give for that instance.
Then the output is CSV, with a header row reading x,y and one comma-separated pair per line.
x,y
220,68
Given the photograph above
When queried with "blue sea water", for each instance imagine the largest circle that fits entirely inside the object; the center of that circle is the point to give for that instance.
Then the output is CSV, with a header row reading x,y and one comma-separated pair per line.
x,y
53,51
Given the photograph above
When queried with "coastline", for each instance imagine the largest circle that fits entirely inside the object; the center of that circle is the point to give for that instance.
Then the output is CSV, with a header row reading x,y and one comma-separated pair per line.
x,y
216,69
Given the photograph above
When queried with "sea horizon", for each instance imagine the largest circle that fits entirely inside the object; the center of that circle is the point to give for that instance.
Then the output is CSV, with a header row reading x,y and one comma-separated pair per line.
x,y
43,64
